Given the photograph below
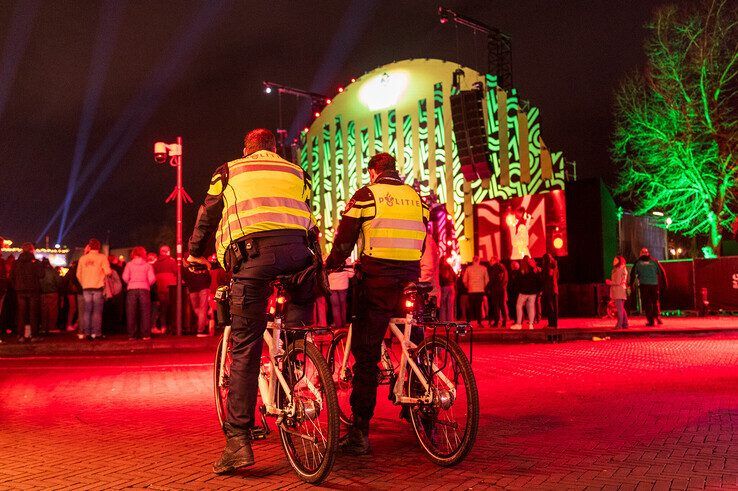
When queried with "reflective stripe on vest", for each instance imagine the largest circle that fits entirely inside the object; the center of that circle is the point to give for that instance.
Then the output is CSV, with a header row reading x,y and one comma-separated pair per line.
x,y
397,230
264,193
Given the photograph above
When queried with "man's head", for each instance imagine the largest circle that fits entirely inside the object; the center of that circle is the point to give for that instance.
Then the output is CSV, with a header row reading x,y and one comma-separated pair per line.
x,y
493,260
28,247
475,260
520,212
94,245
644,252
259,139
379,164
165,250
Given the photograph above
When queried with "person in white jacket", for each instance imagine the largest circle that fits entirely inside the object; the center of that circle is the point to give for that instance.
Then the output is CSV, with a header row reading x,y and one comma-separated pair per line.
x,y
139,276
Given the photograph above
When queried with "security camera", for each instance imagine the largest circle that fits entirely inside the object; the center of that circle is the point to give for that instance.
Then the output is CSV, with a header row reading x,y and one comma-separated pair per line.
x,y
161,152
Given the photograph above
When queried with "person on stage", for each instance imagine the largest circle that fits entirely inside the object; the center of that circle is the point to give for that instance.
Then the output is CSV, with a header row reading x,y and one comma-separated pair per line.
x,y
519,223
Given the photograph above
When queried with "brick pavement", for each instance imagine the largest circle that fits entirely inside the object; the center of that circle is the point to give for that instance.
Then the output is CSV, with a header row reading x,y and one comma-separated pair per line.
x,y
647,413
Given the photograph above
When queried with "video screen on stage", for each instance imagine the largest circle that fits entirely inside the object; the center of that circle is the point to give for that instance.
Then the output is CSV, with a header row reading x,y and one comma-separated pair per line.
x,y
529,225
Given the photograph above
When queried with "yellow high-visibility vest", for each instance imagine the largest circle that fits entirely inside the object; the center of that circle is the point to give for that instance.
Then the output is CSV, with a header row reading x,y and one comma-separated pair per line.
x,y
264,192
397,230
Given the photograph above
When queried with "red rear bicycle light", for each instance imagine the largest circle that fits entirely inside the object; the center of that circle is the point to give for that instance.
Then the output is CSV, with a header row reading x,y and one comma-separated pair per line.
x,y
281,300
409,304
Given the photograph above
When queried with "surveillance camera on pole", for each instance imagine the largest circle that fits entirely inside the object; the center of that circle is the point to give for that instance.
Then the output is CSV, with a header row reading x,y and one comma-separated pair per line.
x,y
173,151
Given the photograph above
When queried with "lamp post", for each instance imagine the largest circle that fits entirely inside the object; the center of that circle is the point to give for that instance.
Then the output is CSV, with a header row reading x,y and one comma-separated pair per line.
x,y
173,151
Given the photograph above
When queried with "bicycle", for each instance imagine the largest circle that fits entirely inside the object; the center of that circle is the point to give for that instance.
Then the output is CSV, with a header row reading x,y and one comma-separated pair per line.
x,y
295,388
431,379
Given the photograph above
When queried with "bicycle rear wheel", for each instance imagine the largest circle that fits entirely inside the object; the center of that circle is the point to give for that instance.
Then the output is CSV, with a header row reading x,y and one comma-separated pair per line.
x,y
220,390
446,428
309,437
342,378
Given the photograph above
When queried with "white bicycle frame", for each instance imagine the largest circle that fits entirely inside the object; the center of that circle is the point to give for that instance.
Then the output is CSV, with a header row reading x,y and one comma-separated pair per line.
x,y
403,336
268,381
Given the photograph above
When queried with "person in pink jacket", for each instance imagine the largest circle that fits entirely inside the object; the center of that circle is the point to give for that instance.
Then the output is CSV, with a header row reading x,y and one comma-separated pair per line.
x,y
139,276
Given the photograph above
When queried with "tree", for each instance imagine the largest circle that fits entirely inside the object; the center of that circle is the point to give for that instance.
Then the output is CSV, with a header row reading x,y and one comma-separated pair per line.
x,y
676,133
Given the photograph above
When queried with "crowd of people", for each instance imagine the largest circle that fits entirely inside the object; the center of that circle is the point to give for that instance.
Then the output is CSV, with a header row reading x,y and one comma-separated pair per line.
x,y
100,294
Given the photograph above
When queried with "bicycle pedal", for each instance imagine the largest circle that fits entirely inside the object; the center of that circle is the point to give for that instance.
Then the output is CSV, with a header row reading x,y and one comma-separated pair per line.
x,y
259,433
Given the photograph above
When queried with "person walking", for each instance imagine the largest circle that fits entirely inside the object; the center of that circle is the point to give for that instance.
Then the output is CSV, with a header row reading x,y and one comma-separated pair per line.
x,y
198,286
447,280
497,292
258,210
475,280
165,269
92,269
651,277
619,290
338,281
528,286
388,218
550,294
26,279
49,298
139,276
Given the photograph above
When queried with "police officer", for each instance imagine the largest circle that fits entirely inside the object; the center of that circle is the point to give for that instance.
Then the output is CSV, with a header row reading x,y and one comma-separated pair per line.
x,y
388,220
257,210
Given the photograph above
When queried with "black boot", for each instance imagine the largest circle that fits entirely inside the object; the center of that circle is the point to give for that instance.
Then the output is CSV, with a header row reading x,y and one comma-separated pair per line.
x,y
357,440
236,454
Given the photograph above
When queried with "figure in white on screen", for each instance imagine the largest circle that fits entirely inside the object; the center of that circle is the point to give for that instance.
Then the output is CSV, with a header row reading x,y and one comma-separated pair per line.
x,y
518,224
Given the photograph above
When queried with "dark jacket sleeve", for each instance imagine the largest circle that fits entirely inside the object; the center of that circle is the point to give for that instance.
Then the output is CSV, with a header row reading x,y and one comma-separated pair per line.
x,y
209,215
360,208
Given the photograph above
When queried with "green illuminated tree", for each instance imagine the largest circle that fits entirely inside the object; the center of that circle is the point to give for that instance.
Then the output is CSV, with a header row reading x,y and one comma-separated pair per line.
x,y
676,133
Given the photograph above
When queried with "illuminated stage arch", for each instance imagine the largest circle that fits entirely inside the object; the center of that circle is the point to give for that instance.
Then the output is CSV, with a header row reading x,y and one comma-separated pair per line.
x,y
403,108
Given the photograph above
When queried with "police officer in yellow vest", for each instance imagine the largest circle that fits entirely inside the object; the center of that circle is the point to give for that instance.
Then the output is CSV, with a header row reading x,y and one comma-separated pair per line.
x,y
387,219
257,210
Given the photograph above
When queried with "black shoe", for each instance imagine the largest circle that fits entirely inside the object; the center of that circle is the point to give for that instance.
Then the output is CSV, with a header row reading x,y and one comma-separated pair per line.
x,y
659,321
405,413
236,454
355,443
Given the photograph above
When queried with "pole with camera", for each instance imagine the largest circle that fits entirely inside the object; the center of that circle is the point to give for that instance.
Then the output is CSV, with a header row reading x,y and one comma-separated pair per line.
x,y
173,153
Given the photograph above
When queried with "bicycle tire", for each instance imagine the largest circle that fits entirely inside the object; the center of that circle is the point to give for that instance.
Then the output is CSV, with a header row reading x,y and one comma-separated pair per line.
x,y
342,382
419,414
317,473
220,393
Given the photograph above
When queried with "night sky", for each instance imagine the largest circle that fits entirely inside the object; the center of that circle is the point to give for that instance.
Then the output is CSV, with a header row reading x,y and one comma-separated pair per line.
x,y
195,69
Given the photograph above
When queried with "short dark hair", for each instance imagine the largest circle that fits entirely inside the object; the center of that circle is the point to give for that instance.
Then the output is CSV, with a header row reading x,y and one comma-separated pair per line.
x,y
28,247
94,244
382,162
259,139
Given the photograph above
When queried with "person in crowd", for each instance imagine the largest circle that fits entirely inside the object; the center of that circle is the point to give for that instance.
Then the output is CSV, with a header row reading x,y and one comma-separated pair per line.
x,y
497,292
165,268
9,317
512,289
528,286
218,277
429,265
115,307
139,276
49,298
72,289
447,280
651,277
462,294
26,278
338,282
619,290
391,220
198,286
92,269
476,280
550,294
3,286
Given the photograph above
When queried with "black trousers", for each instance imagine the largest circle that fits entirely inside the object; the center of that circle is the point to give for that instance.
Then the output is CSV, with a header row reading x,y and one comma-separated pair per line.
x,y
29,308
498,306
250,291
475,307
379,301
650,301
550,307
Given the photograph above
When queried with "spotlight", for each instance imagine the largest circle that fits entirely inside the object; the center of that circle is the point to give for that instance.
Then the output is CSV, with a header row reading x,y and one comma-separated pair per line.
x,y
306,129
668,221
268,90
340,89
353,80
328,101
317,114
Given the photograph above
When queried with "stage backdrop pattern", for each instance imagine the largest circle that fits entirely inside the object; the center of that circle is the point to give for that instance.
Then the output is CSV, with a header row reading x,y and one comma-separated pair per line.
x,y
404,108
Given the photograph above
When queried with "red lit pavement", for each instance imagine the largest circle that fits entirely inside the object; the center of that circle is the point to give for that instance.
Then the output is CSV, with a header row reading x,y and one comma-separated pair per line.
x,y
640,413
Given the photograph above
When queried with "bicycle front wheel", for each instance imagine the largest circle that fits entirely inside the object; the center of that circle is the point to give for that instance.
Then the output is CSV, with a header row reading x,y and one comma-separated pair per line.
x,y
222,383
447,427
309,435
342,376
